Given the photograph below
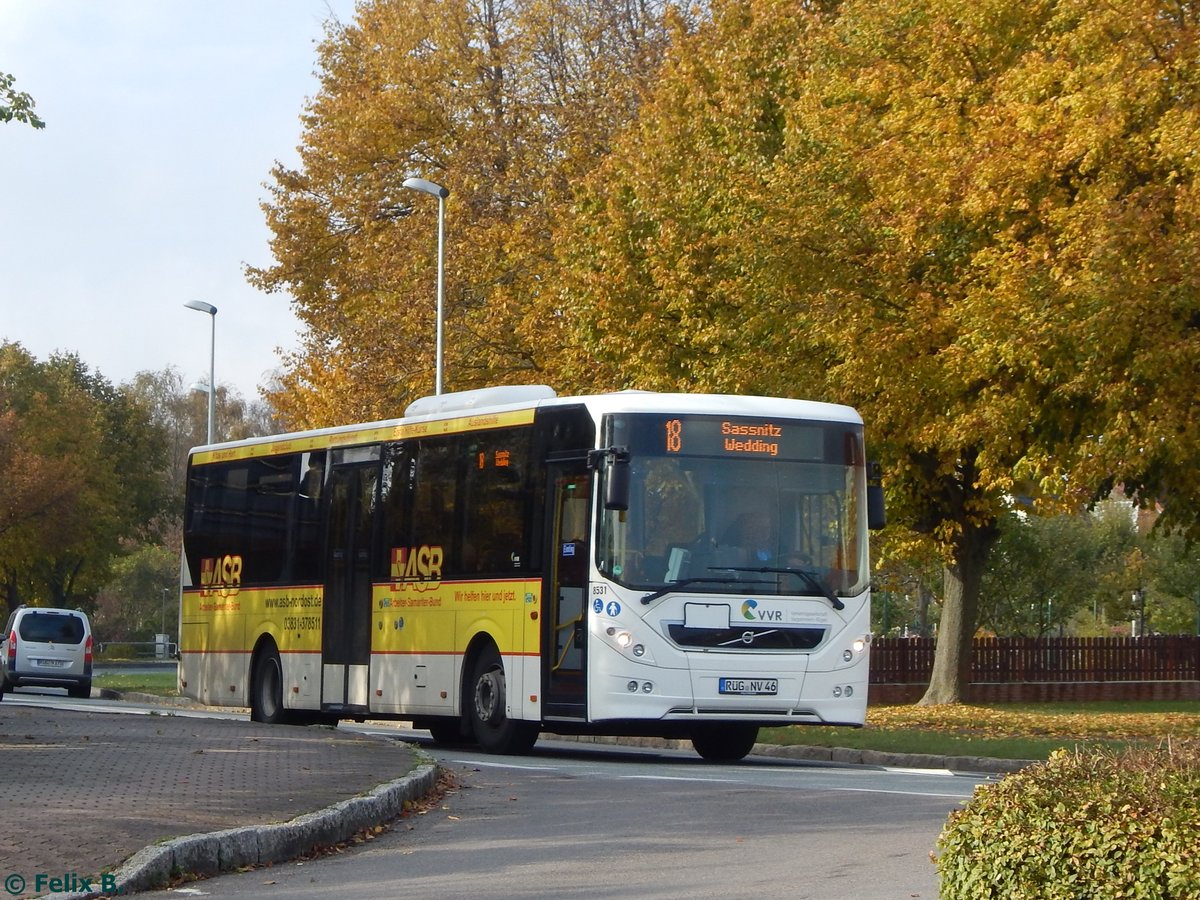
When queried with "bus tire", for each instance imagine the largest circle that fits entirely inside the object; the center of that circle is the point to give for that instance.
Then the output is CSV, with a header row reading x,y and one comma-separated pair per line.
x,y
493,729
725,742
266,688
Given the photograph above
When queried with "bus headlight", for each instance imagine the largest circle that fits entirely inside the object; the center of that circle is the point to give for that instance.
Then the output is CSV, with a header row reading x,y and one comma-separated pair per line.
x,y
621,638
624,640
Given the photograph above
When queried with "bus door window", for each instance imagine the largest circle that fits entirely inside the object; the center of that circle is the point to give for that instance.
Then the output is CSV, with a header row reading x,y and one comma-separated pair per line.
x,y
564,633
346,633
571,569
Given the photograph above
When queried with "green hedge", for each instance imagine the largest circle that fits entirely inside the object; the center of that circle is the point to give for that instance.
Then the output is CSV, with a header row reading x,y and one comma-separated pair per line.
x,y
1083,824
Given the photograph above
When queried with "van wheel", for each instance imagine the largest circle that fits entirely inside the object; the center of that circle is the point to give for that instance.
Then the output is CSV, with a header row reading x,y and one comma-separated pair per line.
x,y
80,691
724,743
266,689
493,729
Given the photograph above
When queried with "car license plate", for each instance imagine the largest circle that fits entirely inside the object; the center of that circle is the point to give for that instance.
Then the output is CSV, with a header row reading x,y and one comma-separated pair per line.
x,y
51,663
769,686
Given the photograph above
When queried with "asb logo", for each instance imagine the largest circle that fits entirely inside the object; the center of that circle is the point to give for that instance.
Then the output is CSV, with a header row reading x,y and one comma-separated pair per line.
x,y
221,576
751,611
418,567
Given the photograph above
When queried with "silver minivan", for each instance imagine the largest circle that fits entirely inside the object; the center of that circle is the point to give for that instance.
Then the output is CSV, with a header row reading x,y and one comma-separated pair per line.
x,y
47,648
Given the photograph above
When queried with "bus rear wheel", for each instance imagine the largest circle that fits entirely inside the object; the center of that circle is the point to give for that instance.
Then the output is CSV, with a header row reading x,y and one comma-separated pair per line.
x,y
266,689
488,702
724,743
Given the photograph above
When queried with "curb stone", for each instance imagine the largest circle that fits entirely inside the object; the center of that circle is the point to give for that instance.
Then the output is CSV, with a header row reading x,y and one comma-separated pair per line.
x,y
234,848
960,765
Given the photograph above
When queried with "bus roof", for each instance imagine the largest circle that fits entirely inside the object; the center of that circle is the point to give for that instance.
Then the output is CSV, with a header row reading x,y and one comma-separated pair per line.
x,y
514,405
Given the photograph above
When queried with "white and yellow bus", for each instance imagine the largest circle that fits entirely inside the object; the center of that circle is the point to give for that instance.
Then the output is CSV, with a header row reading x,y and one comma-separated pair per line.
x,y
505,561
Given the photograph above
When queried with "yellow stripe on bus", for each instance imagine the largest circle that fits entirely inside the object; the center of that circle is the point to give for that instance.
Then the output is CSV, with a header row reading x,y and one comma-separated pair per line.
x,y
406,617
372,435
233,618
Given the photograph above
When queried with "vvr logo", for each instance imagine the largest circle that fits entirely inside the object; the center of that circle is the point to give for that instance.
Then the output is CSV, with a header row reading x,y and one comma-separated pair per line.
x,y
751,611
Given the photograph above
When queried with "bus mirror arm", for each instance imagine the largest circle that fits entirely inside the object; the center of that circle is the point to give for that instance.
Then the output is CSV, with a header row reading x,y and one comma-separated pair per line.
x,y
616,482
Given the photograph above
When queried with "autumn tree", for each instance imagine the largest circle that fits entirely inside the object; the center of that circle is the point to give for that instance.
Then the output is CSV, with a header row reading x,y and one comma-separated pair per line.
x,y
1023,194
960,217
503,103
670,274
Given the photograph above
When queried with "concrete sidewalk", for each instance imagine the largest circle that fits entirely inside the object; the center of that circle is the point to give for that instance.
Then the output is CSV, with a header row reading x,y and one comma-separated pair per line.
x,y
140,797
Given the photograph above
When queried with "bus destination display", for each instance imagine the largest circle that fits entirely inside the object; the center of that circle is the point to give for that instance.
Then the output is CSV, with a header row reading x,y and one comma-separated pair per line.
x,y
715,436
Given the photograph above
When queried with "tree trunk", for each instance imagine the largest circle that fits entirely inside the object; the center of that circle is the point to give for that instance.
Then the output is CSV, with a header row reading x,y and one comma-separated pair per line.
x,y
960,612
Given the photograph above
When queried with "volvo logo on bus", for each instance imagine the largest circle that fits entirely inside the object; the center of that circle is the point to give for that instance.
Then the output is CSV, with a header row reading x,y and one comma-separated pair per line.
x,y
418,567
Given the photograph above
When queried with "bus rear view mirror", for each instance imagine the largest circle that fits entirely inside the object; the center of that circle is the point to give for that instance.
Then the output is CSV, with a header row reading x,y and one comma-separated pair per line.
x,y
616,481
876,514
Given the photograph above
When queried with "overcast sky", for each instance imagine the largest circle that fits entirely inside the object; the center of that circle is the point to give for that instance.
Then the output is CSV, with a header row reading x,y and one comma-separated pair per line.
x,y
163,120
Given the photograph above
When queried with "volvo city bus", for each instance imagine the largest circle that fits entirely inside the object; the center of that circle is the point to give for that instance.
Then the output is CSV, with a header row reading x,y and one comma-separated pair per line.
x,y
504,562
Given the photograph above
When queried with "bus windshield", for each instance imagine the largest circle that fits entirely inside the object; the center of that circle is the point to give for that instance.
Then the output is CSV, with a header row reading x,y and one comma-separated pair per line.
x,y
730,505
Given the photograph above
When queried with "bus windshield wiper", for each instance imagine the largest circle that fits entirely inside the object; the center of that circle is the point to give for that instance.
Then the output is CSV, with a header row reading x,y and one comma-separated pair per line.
x,y
708,579
812,579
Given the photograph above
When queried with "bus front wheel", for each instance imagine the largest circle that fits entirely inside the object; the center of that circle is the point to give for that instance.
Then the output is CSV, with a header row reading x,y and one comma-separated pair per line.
x,y
266,689
493,729
724,743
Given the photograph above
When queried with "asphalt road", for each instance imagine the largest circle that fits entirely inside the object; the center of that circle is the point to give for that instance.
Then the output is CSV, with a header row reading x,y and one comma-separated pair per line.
x,y
589,820
607,822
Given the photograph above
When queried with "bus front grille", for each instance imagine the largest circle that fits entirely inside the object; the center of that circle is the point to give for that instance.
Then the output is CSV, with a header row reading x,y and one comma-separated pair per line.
x,y
746,638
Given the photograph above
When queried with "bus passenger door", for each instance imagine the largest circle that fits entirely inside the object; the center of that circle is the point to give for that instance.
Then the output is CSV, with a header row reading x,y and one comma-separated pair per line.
x,y
346,625
564,638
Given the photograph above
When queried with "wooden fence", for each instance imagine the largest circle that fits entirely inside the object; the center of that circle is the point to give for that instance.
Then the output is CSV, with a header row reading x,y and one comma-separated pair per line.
x,y
1045,660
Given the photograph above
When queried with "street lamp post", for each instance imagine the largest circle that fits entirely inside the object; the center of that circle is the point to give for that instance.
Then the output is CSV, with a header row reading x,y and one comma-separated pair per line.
x,y
428,187
201,306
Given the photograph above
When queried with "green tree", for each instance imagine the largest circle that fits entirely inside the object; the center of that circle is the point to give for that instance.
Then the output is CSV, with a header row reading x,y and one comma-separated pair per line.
x,y
141,599
1046,572
181,414
16,106
1172,584
74,423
